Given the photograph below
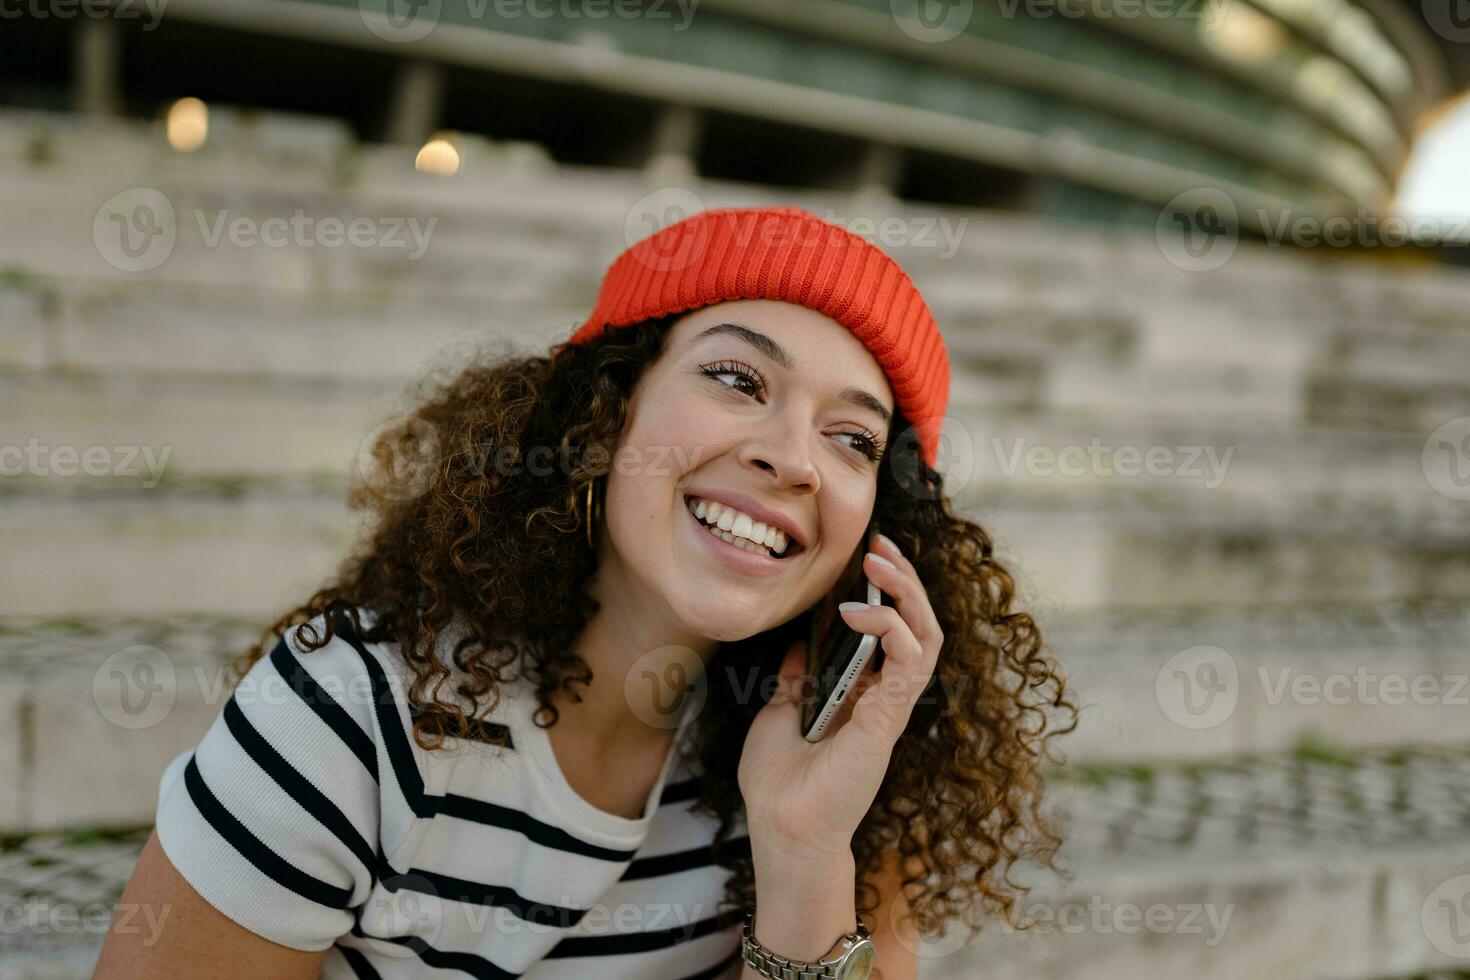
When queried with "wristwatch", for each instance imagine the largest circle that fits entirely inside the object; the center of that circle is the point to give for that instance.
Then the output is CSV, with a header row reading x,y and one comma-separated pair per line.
x,y
850,958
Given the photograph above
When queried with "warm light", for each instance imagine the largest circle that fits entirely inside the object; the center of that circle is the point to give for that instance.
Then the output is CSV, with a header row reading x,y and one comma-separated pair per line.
x,y
187,124
438,156
1242,33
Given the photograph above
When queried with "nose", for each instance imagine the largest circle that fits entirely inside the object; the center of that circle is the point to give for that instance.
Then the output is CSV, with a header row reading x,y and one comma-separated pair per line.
x,y
782,447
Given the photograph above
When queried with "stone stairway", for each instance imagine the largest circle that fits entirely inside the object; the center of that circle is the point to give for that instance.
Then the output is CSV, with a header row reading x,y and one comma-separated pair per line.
x,y
1232,500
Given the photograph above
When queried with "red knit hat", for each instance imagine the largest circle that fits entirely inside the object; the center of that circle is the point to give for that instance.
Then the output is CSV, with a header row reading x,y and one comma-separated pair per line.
x,y
786,253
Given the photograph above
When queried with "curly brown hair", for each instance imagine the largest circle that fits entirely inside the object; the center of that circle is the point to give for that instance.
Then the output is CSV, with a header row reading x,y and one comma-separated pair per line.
x,y
482,539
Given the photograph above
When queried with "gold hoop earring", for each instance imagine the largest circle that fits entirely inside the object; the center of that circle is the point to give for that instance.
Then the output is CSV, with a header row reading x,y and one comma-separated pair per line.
x,y
591,513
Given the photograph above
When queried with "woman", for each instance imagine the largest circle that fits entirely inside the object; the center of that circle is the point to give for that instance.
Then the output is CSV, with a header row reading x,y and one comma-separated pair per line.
x,y
547,721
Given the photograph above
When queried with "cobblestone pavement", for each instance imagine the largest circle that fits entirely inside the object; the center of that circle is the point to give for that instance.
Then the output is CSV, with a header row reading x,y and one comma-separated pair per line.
x,y
75,870
30,649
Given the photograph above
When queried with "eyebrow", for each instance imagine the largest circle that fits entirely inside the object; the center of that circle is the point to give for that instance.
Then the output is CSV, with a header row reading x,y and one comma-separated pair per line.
x,y
777,353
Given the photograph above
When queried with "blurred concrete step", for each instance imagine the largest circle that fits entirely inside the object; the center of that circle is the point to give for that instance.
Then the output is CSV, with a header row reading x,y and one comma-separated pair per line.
x,y
1301,866
1119,546
1195,684
1412,380
162,329
422,236
1276,465
226,548
338,243
214,545
255,422
279,163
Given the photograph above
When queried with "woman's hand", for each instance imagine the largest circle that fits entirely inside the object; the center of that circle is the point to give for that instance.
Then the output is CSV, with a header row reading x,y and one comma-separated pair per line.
x,y
808,799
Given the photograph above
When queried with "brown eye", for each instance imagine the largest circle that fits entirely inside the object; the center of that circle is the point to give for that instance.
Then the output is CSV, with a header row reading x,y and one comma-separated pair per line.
x,y
738,370
866,444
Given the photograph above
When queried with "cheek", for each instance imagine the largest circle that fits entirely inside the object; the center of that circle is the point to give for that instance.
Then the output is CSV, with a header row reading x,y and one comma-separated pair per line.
x,y
669,440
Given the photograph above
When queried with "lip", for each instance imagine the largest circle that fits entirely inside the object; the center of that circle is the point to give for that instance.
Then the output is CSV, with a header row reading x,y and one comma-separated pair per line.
x,y
754,508
737,558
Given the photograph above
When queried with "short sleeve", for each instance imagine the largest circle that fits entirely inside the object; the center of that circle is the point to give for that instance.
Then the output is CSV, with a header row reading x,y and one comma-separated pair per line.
x,y
274,816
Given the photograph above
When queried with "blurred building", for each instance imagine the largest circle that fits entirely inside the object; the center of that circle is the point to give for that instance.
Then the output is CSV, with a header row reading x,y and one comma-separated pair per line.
x,y
1077,108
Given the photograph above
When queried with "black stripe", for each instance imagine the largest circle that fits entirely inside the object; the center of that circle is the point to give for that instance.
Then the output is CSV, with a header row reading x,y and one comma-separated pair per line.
x,y
423,805
298,787
361,968
475,965
668,864
410,782
242,840
495,815
463,890
641,942
336,717
483,969
717,970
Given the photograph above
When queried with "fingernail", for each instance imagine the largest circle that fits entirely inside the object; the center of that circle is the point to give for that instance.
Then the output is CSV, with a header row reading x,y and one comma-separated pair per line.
x,y
874,556
852,606
888,541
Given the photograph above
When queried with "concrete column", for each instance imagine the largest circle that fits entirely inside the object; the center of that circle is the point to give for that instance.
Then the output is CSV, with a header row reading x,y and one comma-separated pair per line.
x,y
878,171
417,102
96,66
675,144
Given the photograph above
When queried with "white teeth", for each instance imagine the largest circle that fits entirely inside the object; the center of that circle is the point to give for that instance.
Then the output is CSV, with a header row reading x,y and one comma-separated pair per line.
x,y
738,528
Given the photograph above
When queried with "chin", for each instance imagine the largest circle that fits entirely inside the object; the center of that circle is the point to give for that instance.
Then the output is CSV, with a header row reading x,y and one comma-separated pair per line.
x,y
724,623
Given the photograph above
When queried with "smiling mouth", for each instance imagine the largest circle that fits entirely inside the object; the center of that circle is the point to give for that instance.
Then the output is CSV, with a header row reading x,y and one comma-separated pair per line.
x,y
692,504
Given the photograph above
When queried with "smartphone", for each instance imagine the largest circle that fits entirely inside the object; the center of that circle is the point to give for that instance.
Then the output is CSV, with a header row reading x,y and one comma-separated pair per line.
x,y
837,653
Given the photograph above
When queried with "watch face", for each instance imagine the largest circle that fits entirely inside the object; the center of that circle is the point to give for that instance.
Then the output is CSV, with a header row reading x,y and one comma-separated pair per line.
x,y
859,964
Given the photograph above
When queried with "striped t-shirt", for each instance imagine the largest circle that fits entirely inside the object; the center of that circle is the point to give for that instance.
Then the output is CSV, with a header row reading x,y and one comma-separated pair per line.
x,y
310,816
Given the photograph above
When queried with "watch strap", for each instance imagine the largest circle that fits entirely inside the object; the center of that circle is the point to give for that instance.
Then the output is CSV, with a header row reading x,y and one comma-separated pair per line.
x,y
769,964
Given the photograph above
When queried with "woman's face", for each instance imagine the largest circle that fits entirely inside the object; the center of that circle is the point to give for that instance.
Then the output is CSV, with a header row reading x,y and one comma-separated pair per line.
x,y
779,411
